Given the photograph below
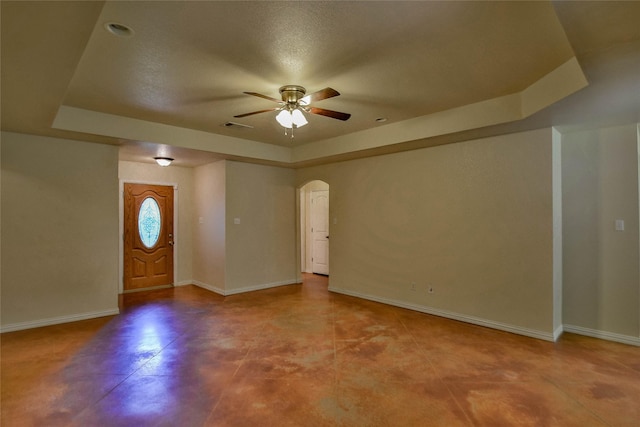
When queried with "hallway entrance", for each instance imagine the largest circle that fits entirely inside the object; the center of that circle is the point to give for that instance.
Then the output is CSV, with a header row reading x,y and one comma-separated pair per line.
x,y
314,227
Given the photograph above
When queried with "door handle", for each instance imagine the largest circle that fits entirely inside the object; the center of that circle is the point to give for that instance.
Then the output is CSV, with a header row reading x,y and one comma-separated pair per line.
x,y
327,237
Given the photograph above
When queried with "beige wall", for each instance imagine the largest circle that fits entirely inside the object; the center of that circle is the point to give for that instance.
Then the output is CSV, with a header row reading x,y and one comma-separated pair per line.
x,y
479,222
209,220
473,220
182,178
601,279
59,230
261,250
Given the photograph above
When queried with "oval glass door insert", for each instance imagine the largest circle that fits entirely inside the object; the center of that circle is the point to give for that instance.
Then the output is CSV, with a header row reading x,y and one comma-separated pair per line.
x,y
149,222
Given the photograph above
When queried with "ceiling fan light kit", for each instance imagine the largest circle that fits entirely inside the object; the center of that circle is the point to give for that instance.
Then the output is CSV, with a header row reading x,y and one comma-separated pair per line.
x,y
288,119
294,103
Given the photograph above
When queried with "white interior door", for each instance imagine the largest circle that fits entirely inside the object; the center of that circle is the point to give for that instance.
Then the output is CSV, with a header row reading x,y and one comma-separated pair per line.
x,y
320,231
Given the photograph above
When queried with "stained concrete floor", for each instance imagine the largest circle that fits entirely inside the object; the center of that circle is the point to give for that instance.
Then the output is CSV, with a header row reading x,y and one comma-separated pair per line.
x,y
301,356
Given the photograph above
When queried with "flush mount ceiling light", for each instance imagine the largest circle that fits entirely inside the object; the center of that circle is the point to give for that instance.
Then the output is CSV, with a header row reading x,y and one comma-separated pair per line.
x,y
295,103
163,161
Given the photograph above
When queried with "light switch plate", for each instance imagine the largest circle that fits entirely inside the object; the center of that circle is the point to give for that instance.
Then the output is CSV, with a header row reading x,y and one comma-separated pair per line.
x,y
619,225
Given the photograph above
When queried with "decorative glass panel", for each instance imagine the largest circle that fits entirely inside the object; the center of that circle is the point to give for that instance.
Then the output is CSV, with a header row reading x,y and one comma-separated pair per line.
x,y
149,222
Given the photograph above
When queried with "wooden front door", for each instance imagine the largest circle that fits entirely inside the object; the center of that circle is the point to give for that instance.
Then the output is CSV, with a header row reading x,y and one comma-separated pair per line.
x,y
148,236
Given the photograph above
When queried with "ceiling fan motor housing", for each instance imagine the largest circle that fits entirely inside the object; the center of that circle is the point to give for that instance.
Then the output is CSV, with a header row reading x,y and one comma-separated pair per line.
x,y
291,94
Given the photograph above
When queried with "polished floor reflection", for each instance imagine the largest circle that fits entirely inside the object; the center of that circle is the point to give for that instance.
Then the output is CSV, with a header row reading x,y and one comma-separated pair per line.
x,y
300,356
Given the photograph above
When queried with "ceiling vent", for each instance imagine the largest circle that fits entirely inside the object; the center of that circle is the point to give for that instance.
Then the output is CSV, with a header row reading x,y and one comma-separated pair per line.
x,y
234,125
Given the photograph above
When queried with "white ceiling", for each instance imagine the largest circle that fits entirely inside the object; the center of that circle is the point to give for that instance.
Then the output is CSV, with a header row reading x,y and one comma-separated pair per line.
x,y
438,72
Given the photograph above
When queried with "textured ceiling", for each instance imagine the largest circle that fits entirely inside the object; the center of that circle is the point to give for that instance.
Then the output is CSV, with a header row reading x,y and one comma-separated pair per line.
x,y
189,63
173,84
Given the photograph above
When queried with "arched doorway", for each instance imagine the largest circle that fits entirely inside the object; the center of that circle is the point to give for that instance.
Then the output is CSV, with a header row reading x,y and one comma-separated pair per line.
x,y
314,227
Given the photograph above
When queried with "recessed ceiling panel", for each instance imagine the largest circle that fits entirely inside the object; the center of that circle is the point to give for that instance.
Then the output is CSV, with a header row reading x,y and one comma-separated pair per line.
x,y
188,63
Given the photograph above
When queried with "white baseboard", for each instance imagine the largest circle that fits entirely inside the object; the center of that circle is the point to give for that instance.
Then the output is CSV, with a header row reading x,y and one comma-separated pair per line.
x,y
183,283
262,286
57,320
556,334
547,336
609,336
208,287
224,292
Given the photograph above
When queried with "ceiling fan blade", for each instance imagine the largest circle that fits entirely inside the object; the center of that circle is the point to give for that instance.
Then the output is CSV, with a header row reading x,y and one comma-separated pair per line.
x,y
259,95
325,93
329,113
255,112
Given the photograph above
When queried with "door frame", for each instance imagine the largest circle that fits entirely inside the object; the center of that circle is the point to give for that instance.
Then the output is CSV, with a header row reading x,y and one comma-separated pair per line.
x,y
176,238
303,209
311,233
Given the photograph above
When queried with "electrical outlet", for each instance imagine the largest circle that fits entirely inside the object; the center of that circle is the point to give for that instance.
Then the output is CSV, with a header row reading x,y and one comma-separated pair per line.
x,y
413,286
431,289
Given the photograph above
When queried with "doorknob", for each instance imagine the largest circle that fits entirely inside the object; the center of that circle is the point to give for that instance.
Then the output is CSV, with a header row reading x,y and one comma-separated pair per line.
x,y
327,237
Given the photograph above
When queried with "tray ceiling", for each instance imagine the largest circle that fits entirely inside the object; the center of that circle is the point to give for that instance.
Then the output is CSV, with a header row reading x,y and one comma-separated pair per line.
x,y
430,69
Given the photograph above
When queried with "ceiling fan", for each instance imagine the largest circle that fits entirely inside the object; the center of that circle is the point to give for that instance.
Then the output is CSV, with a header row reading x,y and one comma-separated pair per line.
x,y
294,102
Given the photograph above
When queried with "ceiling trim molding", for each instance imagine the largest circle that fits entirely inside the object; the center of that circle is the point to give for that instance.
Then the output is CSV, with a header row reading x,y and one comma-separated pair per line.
x,y
94,122
558,84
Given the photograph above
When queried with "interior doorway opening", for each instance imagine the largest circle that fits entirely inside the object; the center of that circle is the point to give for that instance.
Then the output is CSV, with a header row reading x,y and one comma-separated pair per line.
x,y
314,227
